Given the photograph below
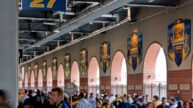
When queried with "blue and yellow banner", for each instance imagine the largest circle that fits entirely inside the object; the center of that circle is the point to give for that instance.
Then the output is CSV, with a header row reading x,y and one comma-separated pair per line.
x,y
105,55
44,69
67,64
83,61
135,48
44,5
54,66
179,40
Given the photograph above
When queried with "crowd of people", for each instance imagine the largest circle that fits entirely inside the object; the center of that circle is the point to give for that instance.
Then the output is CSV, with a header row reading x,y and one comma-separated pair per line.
x,y
57,99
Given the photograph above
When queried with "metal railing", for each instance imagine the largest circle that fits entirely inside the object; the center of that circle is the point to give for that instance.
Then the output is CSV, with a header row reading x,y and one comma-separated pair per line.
x,y
155,89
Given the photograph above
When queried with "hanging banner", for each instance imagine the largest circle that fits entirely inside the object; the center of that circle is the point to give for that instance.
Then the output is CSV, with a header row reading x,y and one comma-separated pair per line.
x,y
44,5
135,48
67,64
179,40
54,66
29,73
83,61
105,56
44,69
36,71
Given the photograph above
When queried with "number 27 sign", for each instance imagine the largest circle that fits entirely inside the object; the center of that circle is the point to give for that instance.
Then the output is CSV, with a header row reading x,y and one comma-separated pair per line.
x,y
45,5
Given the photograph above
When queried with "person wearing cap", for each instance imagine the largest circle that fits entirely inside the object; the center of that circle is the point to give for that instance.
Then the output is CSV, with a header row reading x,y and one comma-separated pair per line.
x,y
124,103
173,103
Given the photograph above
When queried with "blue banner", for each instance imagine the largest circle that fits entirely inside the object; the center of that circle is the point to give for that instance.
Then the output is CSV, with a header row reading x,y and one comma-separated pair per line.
x,y
179,40
105,50
44,5
135,48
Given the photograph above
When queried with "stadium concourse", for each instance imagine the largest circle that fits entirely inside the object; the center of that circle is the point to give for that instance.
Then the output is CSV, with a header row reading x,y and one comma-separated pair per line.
x,y
96,54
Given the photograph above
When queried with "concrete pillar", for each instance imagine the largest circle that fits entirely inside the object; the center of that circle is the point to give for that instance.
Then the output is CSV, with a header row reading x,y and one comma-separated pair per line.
x,y
8,50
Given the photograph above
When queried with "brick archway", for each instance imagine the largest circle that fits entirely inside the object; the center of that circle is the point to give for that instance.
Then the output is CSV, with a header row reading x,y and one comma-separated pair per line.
x,y
60,77
49,79
119,74
22,77
26,80
32,79
155,72
93,76
40,79
75,74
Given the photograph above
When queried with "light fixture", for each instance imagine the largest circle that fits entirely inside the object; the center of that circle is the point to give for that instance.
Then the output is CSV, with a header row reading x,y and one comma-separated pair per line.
x,y
56,31
91,23
50,23
150,1
128,13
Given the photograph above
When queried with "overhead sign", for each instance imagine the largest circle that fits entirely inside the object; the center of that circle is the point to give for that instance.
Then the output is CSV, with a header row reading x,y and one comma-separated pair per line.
x,y
44,5
70,89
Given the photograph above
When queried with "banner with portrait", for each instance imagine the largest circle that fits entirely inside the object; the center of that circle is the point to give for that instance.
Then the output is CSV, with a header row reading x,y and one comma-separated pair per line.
x,y
179,40
44,69
67,64
36,71
105,56
29,73
135,48
83,61
54,66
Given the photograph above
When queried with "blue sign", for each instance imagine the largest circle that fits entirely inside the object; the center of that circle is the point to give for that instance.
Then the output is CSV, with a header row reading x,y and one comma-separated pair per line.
x,y
44,5
70,89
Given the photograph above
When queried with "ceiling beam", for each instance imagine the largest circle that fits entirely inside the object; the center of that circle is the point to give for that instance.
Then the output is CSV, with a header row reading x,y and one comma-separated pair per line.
x,y
144,5
95,33
85,18
31,40
40,19
31,31
84,2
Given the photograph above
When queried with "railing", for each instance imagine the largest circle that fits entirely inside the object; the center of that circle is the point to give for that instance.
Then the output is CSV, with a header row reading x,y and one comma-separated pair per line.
x,y
155,89
119,89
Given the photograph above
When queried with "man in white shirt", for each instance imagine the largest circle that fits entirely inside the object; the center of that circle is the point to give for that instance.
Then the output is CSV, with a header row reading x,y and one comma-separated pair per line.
x,y
25,96
83,103
92,100
112,98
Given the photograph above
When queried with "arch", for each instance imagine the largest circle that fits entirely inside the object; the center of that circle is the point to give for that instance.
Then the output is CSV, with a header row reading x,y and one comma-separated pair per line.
x,y
119,74
32,80
21,77
60,77
49,79
75,74
22,73
155,71
40,79
93,76
26,80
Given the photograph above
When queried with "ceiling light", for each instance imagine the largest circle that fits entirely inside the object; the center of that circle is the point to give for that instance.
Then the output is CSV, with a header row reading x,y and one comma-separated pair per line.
x,y
150,1
49,23
56,31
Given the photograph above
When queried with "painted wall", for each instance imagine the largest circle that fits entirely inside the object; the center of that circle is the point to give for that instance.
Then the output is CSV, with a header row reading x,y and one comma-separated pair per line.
x,y
153,29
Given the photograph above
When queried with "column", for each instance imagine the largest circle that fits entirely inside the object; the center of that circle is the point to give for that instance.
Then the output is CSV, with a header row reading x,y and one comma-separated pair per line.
x,y
8,50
